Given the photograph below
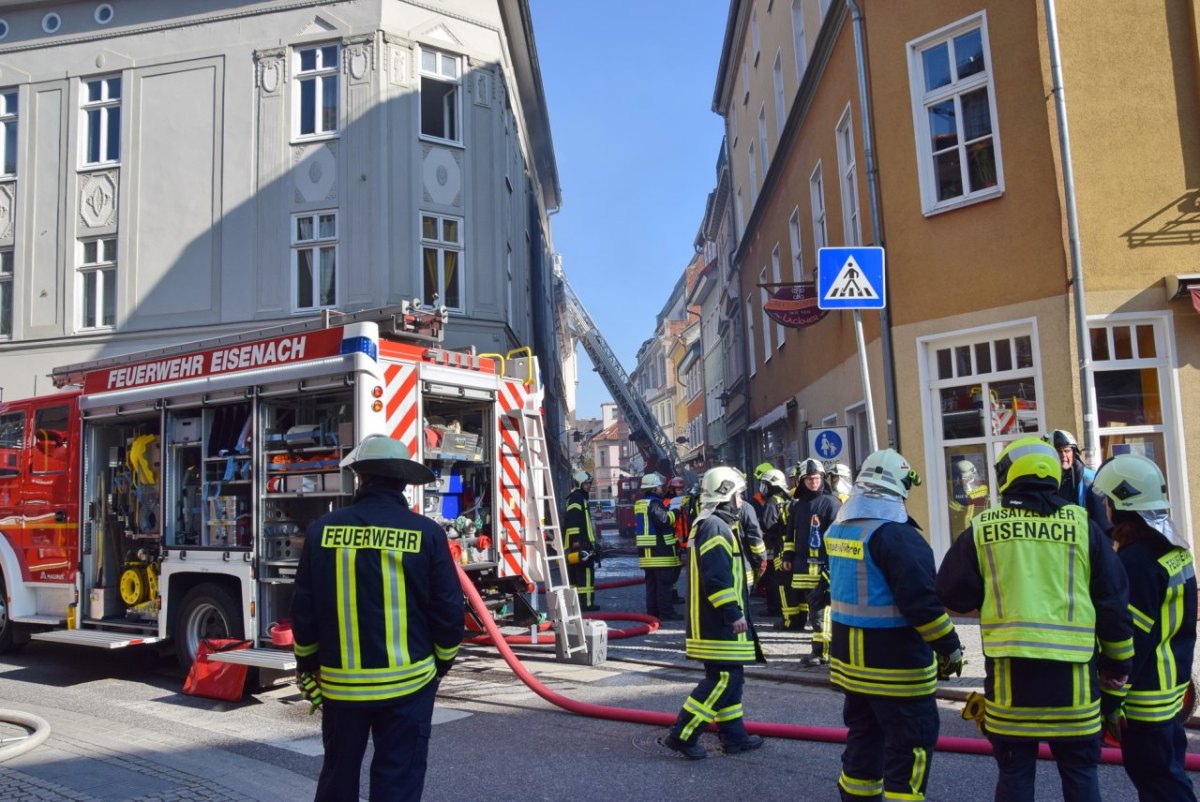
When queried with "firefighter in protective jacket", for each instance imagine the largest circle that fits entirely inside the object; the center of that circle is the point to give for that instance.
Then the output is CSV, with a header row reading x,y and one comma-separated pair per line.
x,y
776,504
1145,714
892,639
581,544
812,513
377,618
719,631
1048,588
658,551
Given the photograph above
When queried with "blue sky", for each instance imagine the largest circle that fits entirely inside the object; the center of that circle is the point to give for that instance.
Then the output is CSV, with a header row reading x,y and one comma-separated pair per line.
x,y
629,85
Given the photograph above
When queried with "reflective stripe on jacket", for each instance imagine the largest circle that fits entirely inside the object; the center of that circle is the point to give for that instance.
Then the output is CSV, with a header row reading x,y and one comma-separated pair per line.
x,y
1162,600
717,597
377,601
655,537
578,532
1031,563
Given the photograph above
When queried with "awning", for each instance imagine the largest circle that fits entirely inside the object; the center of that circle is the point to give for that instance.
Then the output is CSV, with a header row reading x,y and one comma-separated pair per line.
x,y
774,416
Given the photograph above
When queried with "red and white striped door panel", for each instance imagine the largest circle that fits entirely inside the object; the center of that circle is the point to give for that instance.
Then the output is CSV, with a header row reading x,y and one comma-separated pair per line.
x,y
401,405
511,480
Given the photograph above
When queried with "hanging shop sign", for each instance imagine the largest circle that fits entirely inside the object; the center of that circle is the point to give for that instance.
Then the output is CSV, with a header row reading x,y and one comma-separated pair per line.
x,y
793,305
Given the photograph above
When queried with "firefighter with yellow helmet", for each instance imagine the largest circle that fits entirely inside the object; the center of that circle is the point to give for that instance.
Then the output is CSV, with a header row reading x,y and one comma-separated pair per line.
x,y
1145,713
891,640
580,541
1049,590
719,630
658,550
377,617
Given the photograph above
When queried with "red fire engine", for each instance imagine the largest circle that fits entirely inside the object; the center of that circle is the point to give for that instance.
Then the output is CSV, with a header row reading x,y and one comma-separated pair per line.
x,y
165,494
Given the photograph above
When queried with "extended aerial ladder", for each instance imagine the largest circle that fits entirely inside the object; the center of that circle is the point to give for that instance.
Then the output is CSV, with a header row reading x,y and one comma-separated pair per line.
x,y
644,429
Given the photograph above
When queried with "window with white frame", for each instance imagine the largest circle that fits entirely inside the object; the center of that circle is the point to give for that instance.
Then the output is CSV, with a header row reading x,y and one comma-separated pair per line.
x,y
848,173
97,283
764,152
314,260
441,98
763,319
777,278
780,99
755,39
752,167
1135,392
799,42
750,335
739,212
794,242
954,109
816,193
101,109
6,292
984,391
315,90
745,78
441,261
8,133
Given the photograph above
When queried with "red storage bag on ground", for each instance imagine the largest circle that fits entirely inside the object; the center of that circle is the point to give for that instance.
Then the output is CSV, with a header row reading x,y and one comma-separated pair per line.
x,y
214,680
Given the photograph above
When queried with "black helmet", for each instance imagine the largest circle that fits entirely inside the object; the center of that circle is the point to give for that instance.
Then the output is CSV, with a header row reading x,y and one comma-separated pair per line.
x,y
1061,438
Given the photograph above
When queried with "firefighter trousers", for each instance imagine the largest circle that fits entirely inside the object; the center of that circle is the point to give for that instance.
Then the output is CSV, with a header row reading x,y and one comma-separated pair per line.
x,y
889,744
399,732
718,697
582,578
1153,753
660,583
1016,759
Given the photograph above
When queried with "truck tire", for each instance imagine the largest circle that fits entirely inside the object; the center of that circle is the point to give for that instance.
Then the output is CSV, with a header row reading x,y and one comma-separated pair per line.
x,y
9,642
207,611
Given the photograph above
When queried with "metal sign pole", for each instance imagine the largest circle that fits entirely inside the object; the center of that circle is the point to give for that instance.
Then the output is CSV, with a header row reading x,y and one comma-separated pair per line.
x,y
866,380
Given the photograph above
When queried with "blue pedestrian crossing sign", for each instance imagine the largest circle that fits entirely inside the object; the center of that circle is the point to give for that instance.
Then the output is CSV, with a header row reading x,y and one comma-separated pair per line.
x,y
850,278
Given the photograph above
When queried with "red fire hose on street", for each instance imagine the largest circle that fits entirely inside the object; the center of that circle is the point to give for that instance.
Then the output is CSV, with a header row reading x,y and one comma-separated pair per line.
x,y
970,746
646,625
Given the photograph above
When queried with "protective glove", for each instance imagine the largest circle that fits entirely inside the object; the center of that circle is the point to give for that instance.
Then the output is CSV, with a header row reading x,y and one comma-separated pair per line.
x,y
950,664
1114,723
310,689
442,667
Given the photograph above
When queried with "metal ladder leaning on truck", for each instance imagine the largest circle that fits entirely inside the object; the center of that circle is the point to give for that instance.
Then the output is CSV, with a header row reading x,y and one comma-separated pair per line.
x,y
163,495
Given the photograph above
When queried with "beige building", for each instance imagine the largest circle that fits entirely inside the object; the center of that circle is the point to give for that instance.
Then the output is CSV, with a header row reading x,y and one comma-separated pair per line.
x,y
987,340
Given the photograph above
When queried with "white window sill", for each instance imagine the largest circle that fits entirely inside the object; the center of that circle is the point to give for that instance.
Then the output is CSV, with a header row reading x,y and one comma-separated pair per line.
x,y
309,138
88,168
454,143
966,200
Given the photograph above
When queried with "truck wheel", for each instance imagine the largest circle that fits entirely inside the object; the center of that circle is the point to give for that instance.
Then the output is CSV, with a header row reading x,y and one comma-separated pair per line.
x,y
9,642
207,611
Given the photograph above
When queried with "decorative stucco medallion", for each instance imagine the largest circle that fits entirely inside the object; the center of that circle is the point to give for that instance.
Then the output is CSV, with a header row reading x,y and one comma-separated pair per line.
x,y
315,173
98,199
442,176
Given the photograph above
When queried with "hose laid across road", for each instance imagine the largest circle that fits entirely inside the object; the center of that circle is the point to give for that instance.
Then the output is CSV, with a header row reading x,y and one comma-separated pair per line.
x,y
969,746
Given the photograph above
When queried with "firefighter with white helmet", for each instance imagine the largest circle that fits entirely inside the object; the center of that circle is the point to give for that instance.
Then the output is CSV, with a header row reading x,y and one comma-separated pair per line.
x,y
719,630
374,652
1049,590
968,494
580,541
1145,713
891,638
774,523
658,551
841,481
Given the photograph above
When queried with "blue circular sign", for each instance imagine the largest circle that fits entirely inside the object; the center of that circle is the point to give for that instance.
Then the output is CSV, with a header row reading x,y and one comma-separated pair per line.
x,y
828,446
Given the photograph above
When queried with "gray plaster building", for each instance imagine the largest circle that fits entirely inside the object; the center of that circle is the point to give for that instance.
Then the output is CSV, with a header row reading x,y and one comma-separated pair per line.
x,y
184,169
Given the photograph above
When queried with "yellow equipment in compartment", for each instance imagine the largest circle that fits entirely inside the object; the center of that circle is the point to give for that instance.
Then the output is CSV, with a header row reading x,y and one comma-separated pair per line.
x,y
139,583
